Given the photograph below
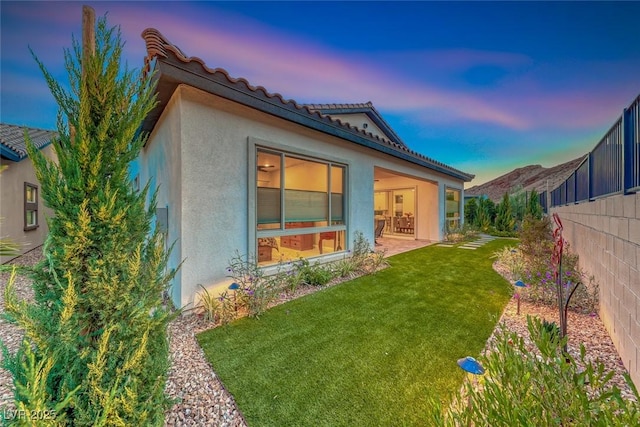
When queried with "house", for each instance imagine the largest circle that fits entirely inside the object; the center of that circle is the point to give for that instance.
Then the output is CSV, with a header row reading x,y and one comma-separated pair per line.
x,y
241,170
22,211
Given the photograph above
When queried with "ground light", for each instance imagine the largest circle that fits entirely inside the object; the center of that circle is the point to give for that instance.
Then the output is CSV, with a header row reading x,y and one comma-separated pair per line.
x,y
472,366
234,287
519,284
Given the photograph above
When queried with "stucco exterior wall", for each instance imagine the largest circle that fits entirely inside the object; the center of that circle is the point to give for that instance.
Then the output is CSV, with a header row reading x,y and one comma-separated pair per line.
x,y
12,204
358,120
160,165
605,233
215,139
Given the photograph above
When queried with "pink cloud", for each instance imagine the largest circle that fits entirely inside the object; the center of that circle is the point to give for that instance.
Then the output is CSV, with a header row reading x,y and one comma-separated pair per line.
x,y
309,72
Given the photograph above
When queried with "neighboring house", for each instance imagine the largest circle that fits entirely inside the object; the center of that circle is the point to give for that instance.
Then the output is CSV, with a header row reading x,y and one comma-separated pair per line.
x,y
244,171
22,212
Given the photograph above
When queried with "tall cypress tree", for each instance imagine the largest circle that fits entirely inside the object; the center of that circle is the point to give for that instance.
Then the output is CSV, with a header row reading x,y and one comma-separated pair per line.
x,y
534,209
95,350
504,217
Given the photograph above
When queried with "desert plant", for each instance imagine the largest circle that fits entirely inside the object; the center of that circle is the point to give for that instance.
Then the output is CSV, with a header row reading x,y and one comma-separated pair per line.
x,y
95,347
344,267
464,233
513,260
534,387
208,305
376,261
536,240
314,274
540,278
361,246
290,276
256,290
549,330
227,307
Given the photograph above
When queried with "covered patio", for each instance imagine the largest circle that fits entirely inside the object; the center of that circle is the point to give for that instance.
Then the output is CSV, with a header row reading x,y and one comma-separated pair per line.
x,y
393,246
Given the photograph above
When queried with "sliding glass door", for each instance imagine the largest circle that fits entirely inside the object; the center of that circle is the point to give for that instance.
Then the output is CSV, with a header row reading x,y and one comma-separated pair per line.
x,y
397,207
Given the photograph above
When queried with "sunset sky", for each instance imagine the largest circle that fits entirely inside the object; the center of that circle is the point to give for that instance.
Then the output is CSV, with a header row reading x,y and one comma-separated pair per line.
x,y
484,87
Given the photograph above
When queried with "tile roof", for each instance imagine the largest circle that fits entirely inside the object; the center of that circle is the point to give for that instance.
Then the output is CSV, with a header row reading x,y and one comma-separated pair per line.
x,y
12,145
366,108
173,68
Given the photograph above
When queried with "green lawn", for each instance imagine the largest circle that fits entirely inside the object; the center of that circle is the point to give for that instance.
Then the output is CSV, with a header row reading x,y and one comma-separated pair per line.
x,y
367,352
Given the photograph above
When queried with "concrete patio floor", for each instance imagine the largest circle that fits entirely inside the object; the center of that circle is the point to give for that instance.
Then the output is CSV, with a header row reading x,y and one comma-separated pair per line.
x,y
392,246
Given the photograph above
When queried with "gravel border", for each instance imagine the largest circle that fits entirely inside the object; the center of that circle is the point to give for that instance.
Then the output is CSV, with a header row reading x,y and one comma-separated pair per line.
x,y
200,397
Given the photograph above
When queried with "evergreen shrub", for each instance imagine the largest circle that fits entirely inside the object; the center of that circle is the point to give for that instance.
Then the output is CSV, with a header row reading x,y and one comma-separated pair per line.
x,y
95,349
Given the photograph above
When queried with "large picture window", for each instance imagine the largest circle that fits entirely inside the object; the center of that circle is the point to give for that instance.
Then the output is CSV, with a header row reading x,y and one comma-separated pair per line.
x,y
300,206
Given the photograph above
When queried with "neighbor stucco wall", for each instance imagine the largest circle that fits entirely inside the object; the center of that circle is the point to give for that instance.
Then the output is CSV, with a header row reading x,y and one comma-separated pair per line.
x,y
12,182
214,138
605,233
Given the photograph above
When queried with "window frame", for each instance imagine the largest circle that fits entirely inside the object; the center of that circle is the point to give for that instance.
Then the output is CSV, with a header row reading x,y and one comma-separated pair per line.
x,y
30,206
451,221
255,144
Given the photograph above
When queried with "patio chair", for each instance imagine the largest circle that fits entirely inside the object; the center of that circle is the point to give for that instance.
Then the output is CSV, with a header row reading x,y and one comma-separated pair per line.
x,y
379,228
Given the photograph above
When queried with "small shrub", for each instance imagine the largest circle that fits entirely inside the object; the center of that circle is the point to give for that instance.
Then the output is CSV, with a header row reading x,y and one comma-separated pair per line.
x,y
550,330
361,248
374,262
314,274
291,278
227,308
526,386
465,233
209,305
344,268
502,233
536,241
513,260
256,290
542,284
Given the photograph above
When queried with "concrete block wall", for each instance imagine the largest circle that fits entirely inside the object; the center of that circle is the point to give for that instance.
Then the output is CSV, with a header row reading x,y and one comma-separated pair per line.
x,y
605,233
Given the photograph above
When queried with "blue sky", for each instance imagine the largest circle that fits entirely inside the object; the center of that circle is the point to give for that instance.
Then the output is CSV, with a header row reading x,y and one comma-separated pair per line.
x,y
482,86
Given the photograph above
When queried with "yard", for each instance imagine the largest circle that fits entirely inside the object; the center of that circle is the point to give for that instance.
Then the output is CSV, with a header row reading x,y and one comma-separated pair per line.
x,y
200,399
367,352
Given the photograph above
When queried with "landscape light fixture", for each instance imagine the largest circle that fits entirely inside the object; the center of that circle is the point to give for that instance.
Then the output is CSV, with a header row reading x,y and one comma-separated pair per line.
x,y
234,287
519,284
471,365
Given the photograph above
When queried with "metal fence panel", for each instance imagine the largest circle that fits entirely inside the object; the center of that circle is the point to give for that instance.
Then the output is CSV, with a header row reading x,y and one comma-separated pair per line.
x,y
606,159
582,181
613,166
542,197
632,146
571,188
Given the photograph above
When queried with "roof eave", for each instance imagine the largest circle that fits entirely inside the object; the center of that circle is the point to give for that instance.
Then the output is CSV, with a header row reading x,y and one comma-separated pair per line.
x,y
10,154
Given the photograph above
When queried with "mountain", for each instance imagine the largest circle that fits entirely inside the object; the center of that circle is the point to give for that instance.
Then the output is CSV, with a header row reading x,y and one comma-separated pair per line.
x,y
528,178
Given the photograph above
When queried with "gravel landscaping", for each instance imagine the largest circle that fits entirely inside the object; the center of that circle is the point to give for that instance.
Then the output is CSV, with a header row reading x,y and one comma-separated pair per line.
x,y
201,399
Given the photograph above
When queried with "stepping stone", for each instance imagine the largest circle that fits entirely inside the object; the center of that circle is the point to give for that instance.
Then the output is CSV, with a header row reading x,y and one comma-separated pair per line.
x,y
444,245
467,247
